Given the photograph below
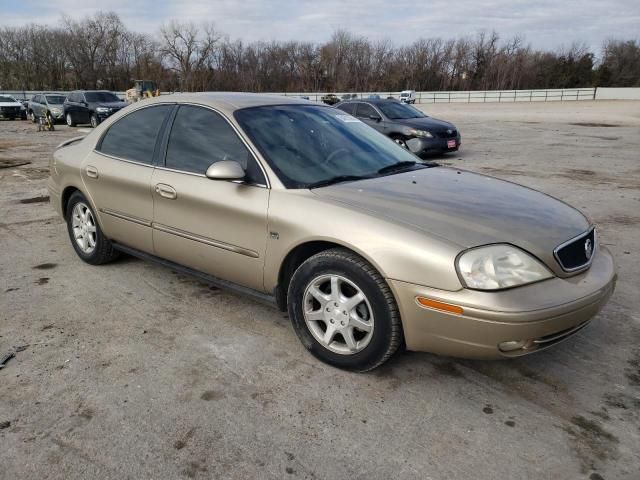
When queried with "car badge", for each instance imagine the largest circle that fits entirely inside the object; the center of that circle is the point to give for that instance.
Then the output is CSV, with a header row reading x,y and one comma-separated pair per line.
x,y
449,132
588,248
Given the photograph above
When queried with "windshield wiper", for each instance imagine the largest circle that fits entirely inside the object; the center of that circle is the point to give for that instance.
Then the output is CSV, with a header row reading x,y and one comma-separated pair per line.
x,y
334,180
394,167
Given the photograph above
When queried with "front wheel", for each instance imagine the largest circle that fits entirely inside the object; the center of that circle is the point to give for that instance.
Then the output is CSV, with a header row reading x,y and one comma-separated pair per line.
x,y
34,119
343,311
69,120
94,120
400,141
85,234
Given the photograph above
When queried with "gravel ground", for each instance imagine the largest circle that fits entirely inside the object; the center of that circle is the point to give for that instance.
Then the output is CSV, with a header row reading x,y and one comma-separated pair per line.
x,y
133,371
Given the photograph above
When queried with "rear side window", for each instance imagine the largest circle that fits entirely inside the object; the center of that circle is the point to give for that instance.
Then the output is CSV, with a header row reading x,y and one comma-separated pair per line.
x,y
134,137
350,108
200,137
365,111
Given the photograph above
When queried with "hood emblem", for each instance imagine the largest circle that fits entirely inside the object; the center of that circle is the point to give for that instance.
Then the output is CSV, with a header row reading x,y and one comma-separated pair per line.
x,y
449,131
588,248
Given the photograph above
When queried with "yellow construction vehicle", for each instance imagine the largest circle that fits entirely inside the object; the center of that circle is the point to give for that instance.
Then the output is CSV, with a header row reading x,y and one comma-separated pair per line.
x,y
142,89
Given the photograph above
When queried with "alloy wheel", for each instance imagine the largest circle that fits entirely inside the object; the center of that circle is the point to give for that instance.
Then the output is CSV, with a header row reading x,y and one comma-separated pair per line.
x,y
400,142
84,228
338,314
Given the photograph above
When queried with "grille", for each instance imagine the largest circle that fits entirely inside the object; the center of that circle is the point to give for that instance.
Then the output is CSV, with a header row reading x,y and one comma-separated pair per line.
x,y
572,255
444,134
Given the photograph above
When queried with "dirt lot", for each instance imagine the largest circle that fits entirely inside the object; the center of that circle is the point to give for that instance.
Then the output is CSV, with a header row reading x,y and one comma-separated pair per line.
x,y
133,371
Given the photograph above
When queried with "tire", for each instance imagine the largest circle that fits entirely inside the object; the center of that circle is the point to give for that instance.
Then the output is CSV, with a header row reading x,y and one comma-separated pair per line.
x,y
94,121
69,119
33,117
98,249
399,139
376,310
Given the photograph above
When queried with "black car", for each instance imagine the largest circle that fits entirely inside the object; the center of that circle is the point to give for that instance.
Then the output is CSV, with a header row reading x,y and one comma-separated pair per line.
x,y
91,106
405,124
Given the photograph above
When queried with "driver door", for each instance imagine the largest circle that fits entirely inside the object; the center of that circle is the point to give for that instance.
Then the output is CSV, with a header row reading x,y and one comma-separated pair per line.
x,y
214,226
368,115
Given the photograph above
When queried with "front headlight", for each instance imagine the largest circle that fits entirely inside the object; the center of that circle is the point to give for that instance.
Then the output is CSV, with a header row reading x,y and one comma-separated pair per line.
x,y
56,110
420,133
499,266
102,110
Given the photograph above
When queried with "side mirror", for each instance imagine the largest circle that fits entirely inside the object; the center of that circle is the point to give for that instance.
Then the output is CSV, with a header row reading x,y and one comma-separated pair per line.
x,y
375,118
225,170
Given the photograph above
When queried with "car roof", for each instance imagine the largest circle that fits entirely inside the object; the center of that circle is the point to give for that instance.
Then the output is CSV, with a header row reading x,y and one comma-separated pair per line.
x,y
229,102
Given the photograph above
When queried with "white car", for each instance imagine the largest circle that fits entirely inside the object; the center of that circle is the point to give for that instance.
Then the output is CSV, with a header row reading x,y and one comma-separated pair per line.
x,y
10,108
408,96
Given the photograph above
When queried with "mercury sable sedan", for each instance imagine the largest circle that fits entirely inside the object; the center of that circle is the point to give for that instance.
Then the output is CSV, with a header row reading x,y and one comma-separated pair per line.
x,y
304,206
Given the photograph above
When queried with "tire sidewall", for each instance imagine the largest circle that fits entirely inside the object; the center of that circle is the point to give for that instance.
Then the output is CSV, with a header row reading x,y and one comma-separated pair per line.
x,y
379,344
94,120
92,257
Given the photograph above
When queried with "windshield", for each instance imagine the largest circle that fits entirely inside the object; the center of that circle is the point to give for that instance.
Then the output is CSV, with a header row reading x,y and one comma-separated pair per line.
x,y
308,144
7,99
400,111
101,97
56,99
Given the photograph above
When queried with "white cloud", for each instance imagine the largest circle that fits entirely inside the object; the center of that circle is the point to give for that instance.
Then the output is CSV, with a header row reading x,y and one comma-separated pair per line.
x,y
544,23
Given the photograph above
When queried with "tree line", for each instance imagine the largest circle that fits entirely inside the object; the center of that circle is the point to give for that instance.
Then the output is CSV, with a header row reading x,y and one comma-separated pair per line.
x,y
100,52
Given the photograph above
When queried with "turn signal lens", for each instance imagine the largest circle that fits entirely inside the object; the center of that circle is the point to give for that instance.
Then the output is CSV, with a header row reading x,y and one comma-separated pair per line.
x,y
445,307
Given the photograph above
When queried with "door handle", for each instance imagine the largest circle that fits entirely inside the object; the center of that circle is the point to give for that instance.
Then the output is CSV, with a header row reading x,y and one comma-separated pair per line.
x,y
166,191
91,171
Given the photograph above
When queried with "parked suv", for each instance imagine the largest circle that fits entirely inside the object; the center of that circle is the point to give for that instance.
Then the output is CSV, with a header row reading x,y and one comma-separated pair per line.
x,y
91,106
46,105
406,125
10,108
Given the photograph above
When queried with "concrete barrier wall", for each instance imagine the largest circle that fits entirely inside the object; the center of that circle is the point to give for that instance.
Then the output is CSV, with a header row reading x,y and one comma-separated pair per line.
x,y
608,93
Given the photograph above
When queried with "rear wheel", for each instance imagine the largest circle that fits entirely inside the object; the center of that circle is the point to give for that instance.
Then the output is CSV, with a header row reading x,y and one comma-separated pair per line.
x,y
84,232
343,311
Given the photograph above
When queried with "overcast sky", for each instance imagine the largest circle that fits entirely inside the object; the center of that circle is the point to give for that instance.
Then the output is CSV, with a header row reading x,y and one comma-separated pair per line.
x,y
543,23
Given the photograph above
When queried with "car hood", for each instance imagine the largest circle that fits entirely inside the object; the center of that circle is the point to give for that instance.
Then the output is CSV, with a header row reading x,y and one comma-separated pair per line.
x,y
427,123
466,209
111,104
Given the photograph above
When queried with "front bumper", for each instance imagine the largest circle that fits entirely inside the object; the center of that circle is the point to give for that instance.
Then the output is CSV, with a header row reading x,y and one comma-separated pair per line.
x,y
541,314
423,146
102,116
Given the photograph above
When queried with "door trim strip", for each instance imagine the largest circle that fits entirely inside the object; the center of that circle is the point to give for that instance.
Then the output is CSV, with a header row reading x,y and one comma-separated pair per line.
x,y
138,220
207,241
218,282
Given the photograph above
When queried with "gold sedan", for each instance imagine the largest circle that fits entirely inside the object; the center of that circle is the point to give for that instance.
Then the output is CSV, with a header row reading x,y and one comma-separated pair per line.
x,y
306,207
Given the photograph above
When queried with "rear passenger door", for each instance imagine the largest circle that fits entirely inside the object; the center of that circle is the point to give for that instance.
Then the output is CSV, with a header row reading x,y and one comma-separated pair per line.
x,y
117,175
214,226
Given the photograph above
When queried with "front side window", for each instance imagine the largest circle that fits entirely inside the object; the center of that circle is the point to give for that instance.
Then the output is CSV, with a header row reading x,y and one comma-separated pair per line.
x,y
366,111
200,137
134,137
307,144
